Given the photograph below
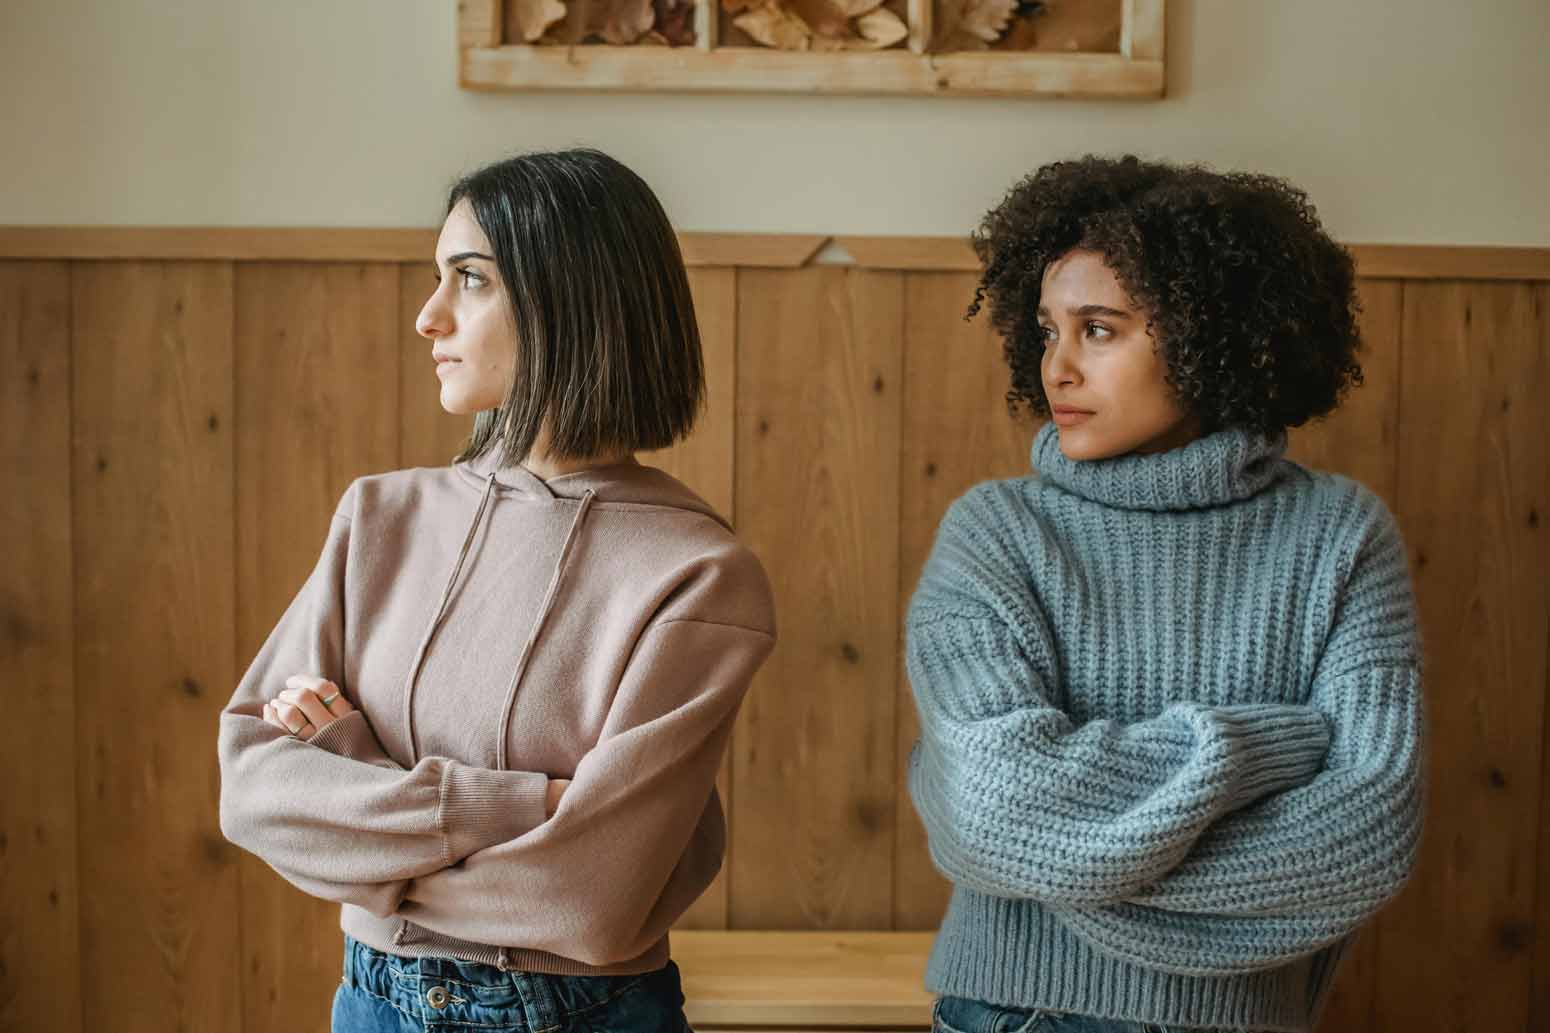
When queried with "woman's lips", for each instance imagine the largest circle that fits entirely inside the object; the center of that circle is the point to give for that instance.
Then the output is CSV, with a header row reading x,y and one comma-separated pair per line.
x,y
1070,417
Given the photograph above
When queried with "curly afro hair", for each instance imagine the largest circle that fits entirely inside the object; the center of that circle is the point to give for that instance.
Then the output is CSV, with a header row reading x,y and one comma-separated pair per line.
x,y
1252,303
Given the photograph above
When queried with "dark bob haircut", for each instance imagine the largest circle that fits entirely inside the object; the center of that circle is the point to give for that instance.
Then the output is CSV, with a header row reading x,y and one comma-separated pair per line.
x,y
608,351
1253,305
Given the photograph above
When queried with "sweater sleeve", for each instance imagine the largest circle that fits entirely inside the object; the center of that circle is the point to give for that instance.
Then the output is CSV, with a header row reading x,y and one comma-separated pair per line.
x,y
350,825
639,833
1017,799
1302,869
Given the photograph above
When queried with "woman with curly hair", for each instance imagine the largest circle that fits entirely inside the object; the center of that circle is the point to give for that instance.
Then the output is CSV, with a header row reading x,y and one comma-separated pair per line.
x,y
1169,686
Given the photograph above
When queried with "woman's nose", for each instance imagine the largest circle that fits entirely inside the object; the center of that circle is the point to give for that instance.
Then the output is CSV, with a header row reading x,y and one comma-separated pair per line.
x,y
432,322
1058,367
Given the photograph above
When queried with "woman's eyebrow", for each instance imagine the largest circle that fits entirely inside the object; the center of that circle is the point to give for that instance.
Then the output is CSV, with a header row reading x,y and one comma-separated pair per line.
x,y
1090,310
462,255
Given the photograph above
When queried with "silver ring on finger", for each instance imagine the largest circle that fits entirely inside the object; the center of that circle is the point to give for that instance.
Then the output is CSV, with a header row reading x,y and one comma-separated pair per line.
x,y
328,699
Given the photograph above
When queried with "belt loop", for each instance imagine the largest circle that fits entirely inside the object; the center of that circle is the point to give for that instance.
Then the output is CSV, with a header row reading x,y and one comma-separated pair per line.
x,y
348,976
540,1005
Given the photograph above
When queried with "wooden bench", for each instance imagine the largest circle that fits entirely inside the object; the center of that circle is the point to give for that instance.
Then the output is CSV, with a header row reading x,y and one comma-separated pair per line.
x,y
804,980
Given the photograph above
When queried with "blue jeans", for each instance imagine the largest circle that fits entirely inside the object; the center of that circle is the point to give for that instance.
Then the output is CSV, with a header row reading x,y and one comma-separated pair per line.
x,y
962,1015
384,993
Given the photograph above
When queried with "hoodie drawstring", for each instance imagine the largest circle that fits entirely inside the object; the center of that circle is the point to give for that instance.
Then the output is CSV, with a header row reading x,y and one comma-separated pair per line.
x,y
532,637
538,626
502,960
441,609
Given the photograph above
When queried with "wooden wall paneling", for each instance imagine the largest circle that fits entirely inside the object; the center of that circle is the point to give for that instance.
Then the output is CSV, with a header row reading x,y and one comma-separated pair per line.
x,y
318,395
126,563
1360,440
818,388
956,431
1539,996
1474,473
39,942
703,461
430,435
152,423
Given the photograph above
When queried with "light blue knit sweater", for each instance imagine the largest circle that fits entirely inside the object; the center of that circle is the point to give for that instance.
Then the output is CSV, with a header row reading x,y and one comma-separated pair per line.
x,y
1172,732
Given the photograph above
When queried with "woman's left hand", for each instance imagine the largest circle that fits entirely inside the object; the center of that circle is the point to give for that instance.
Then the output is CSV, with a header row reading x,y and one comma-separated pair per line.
x,y
308,705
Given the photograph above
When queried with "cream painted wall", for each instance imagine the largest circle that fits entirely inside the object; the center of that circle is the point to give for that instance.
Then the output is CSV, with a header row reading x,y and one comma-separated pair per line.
x,y
1421,121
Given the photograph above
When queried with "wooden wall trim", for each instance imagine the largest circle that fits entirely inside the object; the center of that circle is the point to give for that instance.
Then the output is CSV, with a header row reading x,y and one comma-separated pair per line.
x,y
1426,262
749,250
326,244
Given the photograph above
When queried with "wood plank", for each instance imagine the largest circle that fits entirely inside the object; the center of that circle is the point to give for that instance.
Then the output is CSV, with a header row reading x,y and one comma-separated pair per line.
x,y
1144,29
1474,475
808,980
317,392
1359,439
749,250
920,18
605,68
39,890
818,388
956,432
430,435
940,254
706,24
703,461
479,23
152,416
1539,995
328,244
1448,262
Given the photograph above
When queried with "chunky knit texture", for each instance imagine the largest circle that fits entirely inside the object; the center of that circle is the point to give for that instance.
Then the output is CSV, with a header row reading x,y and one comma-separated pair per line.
x,y
1172,732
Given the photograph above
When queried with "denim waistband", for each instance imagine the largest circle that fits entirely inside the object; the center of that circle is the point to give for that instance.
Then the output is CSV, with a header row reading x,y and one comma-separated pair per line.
x,y
451,991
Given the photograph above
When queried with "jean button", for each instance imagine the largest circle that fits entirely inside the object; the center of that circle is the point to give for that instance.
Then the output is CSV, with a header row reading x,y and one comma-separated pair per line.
x,y
436,997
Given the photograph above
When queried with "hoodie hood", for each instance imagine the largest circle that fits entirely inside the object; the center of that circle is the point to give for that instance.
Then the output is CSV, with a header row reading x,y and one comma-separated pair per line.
x,y
630,482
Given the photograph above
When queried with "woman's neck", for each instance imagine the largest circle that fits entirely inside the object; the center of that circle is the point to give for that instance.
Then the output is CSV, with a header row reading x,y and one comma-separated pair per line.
x,y
545,467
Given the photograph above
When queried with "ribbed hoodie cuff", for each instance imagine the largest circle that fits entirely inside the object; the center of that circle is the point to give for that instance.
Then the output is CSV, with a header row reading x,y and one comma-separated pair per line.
x,y
1275,746
480,807
350,737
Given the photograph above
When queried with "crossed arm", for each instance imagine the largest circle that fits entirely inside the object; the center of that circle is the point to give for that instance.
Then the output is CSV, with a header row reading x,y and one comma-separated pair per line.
x,y
1206,840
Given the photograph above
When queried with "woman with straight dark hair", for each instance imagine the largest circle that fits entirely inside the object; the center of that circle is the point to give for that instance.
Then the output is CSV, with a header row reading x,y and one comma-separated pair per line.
x,y
490,723
1170,685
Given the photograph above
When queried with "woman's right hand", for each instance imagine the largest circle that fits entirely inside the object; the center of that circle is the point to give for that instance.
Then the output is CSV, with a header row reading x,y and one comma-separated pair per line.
x,y
557,787
300,709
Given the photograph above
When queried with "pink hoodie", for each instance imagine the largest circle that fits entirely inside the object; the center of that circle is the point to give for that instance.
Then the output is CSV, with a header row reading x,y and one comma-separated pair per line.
x,y
494,631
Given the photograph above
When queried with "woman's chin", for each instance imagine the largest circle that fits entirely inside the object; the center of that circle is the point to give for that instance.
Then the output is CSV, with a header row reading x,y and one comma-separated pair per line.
x,y
1078,444
455,404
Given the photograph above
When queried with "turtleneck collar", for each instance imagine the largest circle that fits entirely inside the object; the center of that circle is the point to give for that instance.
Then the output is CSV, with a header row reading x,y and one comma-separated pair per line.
x,y
1221,467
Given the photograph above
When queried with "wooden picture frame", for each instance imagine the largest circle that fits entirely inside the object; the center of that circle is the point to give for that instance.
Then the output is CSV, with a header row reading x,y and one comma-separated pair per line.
x,y
487,62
